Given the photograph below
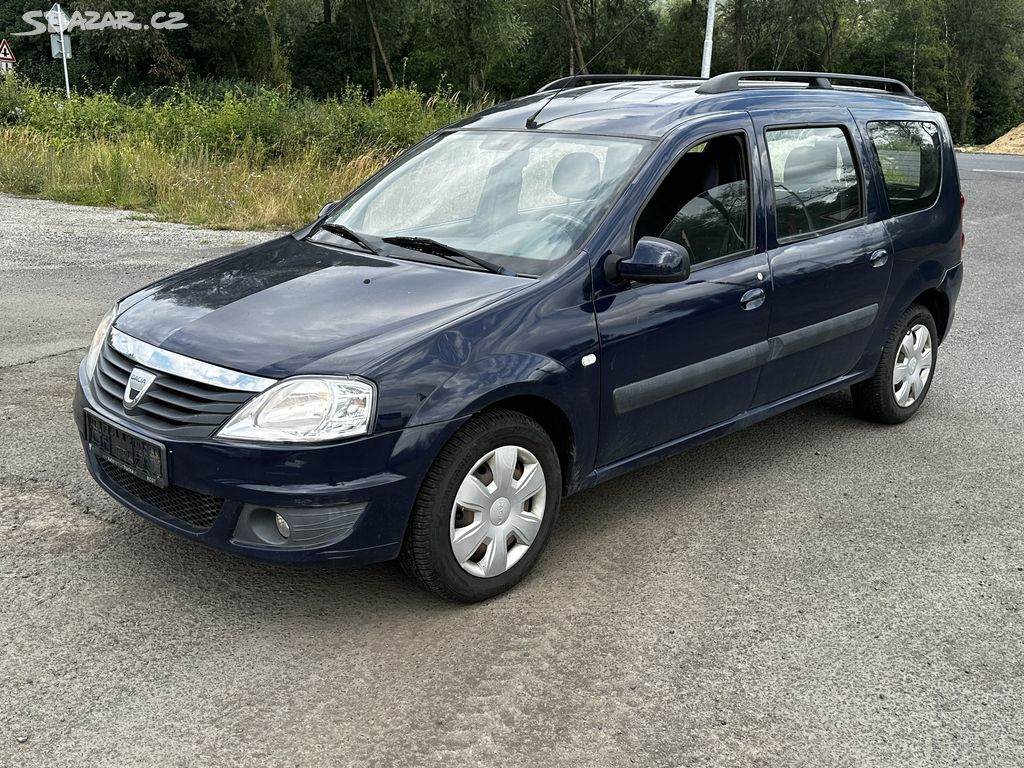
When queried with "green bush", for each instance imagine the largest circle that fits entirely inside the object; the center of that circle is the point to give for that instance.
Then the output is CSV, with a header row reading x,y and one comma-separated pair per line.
x,y
216,156
225,121
15,98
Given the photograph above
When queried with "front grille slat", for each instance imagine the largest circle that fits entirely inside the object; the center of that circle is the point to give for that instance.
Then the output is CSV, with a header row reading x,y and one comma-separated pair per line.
x,y
168,396
202,392
115,358
112,388
159,411
113,372
172,406
195,510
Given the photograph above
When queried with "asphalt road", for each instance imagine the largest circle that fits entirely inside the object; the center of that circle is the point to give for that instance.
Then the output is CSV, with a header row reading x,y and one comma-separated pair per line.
x,y
815,591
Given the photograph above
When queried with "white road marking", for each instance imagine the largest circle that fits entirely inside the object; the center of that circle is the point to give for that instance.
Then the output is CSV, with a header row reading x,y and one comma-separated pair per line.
x,y
992,170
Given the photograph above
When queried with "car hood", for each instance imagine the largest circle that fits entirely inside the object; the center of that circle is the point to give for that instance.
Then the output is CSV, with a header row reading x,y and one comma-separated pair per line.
x,y
276,309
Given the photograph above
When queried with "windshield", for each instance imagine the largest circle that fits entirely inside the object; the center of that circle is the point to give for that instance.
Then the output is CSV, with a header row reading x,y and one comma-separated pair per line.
x,y
523,200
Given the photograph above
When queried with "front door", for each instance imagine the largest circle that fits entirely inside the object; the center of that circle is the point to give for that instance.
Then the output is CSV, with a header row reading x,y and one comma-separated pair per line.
x,y
677,358
829,253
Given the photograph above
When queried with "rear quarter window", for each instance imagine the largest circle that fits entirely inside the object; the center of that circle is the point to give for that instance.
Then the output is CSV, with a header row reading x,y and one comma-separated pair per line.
x,y
910,159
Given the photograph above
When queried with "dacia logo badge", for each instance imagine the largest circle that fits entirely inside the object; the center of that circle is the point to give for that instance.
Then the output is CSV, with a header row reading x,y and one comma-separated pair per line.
x,y
138,384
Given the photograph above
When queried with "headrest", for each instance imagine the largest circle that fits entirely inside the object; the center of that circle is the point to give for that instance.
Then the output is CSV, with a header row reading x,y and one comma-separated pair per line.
x,y
810,165
577,176
702,171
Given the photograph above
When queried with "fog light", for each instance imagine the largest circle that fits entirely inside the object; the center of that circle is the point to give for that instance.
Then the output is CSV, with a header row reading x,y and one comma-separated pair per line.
x,y
282,526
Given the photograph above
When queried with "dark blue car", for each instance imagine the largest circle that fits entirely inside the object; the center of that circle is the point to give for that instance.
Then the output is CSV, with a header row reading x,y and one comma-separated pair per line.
x,y
537,299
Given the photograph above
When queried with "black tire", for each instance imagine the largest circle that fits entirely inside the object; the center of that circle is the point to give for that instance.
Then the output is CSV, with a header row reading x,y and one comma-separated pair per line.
x,y
427,555
875,398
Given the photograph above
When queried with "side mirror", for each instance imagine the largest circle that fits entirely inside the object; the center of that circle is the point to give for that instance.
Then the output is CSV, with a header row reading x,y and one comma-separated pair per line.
x,y
656,261
327,207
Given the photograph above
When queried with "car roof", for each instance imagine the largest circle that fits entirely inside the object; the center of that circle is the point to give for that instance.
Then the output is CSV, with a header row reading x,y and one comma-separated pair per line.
x,y
650,108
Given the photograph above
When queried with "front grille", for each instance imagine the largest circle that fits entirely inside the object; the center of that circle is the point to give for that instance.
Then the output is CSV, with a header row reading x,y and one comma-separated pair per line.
x,y
194,509
173,406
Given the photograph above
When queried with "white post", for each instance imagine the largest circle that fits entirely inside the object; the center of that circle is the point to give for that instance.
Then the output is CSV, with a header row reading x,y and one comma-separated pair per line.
x,y
709,41
63,53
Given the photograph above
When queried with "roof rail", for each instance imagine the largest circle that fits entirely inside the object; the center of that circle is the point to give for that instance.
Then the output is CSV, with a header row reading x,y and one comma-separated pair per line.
x,y
574,81
731,81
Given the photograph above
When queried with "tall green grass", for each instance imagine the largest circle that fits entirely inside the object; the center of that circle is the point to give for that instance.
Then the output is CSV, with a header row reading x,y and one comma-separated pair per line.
x,y
258,160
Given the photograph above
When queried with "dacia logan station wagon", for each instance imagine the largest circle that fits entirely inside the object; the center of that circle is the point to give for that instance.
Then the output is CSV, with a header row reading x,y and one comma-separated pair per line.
x,y
532,301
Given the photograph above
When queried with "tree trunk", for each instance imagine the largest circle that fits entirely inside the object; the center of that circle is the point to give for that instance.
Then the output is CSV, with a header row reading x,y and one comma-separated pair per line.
x,y
830,26
574,35
741,43
327,12
380,45
376,74
966,107
275,54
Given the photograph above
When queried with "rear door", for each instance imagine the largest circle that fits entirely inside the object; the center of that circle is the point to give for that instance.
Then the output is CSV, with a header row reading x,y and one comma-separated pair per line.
x,y
829,253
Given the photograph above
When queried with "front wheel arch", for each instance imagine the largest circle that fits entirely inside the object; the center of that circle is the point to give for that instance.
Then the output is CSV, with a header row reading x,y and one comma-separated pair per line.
x,y
554,421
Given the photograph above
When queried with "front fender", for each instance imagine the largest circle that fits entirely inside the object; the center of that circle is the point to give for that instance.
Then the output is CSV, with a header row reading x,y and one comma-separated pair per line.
x,y
496,378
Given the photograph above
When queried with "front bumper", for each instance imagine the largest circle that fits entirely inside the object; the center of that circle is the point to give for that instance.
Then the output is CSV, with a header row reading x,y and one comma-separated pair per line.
x,y
352,499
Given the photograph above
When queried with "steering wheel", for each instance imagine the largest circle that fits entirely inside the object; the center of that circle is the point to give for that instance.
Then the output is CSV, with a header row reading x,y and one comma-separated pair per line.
x,y
720,207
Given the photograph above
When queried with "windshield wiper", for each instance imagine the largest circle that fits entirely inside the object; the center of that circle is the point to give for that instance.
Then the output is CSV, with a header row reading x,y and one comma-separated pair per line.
x,y
348,234
429,245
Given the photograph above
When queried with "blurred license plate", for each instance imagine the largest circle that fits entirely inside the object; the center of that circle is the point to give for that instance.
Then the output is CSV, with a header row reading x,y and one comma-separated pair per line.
x,y
143,458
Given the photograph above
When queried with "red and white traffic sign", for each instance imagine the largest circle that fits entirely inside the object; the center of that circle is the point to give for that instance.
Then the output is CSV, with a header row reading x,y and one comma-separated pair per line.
x,y
6,54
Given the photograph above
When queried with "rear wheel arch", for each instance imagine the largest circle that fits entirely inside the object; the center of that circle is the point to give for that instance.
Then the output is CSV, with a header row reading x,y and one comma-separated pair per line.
x,y
936,302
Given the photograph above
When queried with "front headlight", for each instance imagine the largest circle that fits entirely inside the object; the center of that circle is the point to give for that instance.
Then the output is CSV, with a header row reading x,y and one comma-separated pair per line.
x,y
305,409
98,340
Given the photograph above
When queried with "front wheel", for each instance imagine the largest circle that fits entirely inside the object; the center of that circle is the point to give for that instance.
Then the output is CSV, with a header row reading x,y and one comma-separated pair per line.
x,y
486,508
905,372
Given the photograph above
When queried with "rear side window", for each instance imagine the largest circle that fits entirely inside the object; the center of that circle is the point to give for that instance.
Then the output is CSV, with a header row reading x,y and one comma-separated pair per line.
x,y
909,156
816,182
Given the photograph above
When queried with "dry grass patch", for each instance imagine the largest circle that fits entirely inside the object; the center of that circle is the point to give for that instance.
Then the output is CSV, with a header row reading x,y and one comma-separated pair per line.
x,y
247,191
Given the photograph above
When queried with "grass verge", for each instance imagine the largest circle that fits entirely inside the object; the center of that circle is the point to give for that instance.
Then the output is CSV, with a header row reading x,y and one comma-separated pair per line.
x,y
231,160
246,191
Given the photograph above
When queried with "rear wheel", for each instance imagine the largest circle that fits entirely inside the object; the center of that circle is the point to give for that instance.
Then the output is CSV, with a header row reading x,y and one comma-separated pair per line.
x,y
486,508
905,372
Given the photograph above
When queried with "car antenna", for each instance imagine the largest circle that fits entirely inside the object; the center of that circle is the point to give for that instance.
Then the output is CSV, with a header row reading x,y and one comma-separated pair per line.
x,y
531,121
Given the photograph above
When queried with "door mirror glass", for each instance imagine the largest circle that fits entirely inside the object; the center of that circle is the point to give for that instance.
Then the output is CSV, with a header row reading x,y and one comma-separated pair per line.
x,y
656,261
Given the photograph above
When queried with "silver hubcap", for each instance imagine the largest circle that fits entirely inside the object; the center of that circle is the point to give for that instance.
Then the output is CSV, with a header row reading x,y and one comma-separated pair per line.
x,y
913,366
498,511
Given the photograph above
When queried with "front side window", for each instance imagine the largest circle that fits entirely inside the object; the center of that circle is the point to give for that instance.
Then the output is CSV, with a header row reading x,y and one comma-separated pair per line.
x,y
817,186
909,156
523,200
704,201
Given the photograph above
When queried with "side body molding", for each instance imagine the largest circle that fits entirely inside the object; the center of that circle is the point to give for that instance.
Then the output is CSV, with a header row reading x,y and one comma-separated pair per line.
x,y
640,394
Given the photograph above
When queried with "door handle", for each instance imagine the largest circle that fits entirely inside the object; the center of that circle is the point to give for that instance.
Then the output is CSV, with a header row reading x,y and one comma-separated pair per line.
x,y
752,299
879,257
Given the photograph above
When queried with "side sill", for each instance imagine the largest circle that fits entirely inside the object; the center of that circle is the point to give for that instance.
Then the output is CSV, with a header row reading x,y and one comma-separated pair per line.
x,y
743,420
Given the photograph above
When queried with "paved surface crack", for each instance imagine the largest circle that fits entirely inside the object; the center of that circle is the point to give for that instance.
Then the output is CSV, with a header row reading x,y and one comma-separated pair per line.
x,y
44,357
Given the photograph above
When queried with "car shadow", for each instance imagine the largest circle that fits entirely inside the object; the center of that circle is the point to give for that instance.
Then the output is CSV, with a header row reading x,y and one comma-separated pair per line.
x,y
219,581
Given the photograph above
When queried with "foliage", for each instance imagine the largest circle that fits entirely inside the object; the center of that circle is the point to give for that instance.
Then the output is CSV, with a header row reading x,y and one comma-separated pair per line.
x,y
222,159
220,123
965,56
243,192
261,109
